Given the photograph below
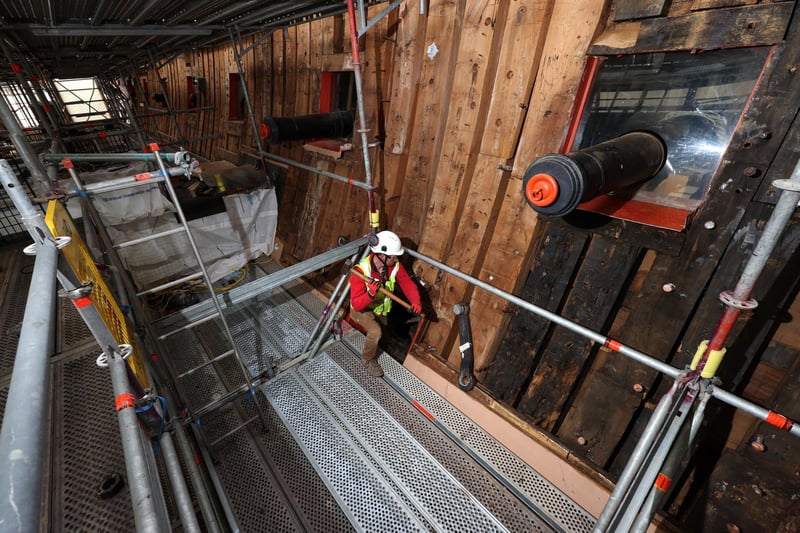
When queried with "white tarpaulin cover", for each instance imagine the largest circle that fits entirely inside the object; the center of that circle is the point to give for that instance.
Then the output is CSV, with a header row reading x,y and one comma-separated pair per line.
x,y
226,241
132,203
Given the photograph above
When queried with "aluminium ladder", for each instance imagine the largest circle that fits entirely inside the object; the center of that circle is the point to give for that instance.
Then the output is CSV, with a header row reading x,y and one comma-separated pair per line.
x,y
162,176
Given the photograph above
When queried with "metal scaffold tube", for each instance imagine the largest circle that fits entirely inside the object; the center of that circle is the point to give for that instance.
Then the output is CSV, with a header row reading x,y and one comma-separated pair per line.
x,y
613,345
148,515
169,157
236,43
737,300
374,216
319,171
24,149
182,498
163,86
330,306
22,437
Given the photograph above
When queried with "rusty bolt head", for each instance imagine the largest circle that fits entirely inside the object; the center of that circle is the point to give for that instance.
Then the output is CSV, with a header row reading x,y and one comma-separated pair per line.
x,y
750,172
758,444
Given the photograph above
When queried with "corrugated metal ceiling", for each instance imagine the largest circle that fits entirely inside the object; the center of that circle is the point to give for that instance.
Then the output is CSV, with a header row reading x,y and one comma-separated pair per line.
x,y
78,38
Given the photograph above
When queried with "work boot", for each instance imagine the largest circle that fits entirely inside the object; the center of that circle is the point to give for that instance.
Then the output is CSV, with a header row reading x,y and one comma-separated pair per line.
x,y
373,368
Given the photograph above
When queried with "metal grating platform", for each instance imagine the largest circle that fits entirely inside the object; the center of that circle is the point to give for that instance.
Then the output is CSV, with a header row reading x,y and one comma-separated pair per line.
x,y
383,464
525,481
342,451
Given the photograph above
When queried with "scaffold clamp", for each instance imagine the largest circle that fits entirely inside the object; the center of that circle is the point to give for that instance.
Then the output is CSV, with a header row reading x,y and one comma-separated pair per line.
x,y
78,292
786,185
59,241
728,299
124,350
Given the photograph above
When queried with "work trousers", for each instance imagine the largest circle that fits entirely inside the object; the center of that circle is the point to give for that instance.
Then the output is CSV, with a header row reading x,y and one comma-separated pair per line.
x,y
373,325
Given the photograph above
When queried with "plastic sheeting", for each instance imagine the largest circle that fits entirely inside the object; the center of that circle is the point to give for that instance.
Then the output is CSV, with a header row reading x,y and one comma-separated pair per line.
x,y
131,204
226,241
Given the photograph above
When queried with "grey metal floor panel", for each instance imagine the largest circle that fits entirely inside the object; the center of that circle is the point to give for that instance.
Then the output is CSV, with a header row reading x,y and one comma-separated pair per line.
x,y
418,474
87,447
16,281
549,500
512,512
364,495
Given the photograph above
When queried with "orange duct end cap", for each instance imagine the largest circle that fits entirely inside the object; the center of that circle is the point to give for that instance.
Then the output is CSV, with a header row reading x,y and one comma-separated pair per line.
x,y
542,190
263,129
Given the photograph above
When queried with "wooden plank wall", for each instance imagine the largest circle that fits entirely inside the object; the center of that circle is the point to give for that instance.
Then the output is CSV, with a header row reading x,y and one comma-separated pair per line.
x,y
459,101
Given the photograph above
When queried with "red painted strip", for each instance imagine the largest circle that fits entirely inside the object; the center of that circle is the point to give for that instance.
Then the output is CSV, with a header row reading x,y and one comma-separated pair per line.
x,y
142,177
779,421
581,99
16,68
662,482
80,303
611,344
154,147
658,216
124,400
422,410
67,163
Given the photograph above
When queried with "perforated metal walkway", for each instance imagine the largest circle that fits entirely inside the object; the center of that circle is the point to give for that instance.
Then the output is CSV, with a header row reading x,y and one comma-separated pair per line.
x,y
343,451
346,451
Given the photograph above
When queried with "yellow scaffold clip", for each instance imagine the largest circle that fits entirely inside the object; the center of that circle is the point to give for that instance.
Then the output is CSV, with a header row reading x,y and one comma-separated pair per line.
x,y
712,363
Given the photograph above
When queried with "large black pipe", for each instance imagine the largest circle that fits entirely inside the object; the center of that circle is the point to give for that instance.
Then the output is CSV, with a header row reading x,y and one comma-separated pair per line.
x,y
318,126
555,184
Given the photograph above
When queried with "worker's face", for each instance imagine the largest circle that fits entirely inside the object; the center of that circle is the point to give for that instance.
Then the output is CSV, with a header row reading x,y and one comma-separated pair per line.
x,y
388,260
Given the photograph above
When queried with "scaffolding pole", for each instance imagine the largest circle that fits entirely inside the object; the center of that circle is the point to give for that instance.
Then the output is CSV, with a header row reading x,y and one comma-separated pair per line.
x,y
169,157
614,345
334,303
149,510
236,43
22,438
38,107
325,173
35,167
163,86
374,215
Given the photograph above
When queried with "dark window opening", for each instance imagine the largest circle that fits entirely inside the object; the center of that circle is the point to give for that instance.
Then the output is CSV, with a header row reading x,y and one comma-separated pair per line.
x,y
236,97
692,101
192,93
337,91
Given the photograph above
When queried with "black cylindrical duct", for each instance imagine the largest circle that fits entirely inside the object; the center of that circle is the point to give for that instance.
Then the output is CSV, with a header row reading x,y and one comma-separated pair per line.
x,y
318,126
466,377
555,184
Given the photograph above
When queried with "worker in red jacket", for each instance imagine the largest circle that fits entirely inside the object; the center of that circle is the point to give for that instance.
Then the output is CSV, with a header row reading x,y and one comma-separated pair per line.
x,y
368,306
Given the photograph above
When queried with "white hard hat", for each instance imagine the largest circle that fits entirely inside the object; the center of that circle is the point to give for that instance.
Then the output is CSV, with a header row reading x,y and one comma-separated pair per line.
x,y
387,243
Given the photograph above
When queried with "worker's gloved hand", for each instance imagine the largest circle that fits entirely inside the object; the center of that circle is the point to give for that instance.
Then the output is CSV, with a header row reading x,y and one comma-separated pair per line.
x,y
373,287
416,309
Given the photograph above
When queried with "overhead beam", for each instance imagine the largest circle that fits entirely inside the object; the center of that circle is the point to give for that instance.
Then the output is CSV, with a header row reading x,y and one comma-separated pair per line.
x,y
79,30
